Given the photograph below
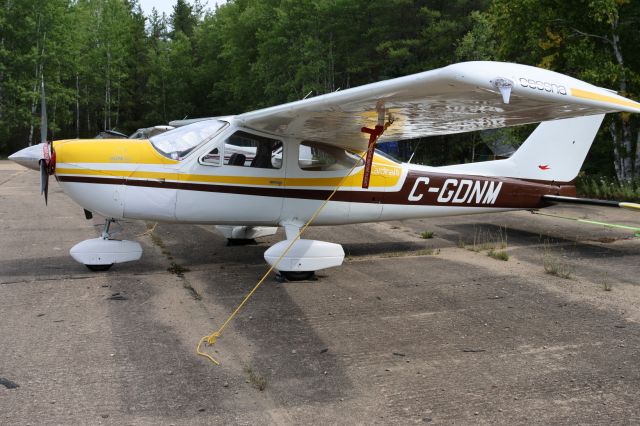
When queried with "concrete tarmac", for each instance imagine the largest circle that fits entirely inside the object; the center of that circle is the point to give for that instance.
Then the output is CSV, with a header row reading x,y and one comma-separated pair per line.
x,y
408,330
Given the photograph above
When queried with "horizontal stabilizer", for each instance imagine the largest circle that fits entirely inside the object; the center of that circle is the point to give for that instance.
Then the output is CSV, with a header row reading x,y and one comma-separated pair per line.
x,y
591,201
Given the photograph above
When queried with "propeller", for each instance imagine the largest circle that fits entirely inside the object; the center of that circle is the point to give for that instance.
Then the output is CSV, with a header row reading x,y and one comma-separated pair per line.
x,y
48,161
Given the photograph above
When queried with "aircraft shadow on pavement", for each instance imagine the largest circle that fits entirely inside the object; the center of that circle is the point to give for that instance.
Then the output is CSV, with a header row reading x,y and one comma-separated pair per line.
x,y
285,349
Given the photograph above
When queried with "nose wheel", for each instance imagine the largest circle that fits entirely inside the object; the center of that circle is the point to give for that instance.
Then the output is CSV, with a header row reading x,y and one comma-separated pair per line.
x,y
99,268
99,254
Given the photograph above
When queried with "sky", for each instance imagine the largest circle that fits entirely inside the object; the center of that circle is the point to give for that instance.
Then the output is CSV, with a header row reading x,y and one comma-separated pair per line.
x,y
166,6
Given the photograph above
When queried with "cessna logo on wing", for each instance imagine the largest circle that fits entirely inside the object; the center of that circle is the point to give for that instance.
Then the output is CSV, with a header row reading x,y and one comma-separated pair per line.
x,y
458,191
542,85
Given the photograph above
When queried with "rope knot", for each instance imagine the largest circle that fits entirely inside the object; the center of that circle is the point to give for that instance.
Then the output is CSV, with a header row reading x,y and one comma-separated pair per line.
x,y
211,339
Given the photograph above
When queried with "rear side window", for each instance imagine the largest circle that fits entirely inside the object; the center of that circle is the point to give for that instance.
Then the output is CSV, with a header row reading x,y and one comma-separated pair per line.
x,y
317,156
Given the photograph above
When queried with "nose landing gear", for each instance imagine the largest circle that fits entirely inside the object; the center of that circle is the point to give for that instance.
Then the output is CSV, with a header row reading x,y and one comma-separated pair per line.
x,y
99,254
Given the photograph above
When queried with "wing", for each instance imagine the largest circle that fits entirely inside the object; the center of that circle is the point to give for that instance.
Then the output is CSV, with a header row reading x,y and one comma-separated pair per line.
x,y
454,99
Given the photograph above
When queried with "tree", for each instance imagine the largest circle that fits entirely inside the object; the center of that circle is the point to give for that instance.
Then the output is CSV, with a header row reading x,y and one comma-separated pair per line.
x,y
593,40
185,17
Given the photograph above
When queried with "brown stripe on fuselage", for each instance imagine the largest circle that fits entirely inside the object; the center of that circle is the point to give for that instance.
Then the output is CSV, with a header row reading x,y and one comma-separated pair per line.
x,y
511,193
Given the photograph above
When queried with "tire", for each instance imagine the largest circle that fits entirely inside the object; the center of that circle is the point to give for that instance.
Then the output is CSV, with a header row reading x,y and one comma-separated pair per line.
x,y
297,275
231,242
99,268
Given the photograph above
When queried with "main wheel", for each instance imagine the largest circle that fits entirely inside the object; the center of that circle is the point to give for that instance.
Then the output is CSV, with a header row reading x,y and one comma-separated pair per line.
x,y
99,268
297,275
241,242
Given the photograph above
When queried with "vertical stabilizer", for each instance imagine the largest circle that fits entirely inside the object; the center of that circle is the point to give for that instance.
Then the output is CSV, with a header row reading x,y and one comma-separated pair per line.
x,y
556,150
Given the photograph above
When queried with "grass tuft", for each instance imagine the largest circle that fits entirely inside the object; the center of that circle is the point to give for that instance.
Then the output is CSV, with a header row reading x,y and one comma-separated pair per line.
x,y
498,255
486,239
606,284
177,269
426,235
257,381
554,264
422,252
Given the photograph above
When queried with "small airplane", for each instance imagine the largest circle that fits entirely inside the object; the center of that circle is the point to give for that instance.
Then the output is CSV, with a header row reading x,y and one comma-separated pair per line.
x,y
316,159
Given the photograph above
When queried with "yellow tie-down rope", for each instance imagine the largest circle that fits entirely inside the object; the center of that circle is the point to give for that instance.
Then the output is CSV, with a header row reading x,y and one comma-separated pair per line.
x,y
213,337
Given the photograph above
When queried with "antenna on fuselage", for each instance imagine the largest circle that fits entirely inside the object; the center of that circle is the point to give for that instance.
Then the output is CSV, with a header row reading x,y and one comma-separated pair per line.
x,y
413,153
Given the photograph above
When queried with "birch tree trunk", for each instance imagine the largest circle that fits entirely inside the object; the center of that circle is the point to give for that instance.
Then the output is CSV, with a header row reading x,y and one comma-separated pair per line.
x,y
34,101
107,94
623,151
77,105
33,107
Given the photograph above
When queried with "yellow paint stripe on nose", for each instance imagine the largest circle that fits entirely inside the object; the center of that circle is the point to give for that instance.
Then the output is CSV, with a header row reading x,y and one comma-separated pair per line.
x,y
115,151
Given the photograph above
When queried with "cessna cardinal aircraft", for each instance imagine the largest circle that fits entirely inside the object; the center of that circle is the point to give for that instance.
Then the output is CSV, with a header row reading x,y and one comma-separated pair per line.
x,y
255,171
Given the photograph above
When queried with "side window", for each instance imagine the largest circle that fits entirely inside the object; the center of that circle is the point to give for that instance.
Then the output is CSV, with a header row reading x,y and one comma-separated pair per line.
x,y
317,156
246,150
212,158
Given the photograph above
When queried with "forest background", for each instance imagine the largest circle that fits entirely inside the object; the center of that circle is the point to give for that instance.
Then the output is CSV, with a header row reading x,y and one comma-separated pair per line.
x,y
108,66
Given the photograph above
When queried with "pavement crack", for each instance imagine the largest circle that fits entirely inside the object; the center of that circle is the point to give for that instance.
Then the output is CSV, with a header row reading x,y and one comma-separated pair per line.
x,y
174,267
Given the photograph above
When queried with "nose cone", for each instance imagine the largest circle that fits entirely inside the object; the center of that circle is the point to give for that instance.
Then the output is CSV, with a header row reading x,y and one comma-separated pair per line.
x,y
29,157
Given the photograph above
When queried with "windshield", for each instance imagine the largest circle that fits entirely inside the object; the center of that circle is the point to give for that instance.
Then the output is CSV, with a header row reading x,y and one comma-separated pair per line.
x,y
177,143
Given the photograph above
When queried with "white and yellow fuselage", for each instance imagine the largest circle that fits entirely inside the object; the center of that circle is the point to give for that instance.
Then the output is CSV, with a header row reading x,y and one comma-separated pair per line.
x,y
130,179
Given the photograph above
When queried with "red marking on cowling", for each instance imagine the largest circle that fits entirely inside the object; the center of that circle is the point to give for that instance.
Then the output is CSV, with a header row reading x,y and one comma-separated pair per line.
x,y
52,161
49,157
544,167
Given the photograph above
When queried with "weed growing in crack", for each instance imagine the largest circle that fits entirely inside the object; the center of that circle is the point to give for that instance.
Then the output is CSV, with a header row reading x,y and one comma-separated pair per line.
x,y
426,235
554,264
257,381
498,254
485,239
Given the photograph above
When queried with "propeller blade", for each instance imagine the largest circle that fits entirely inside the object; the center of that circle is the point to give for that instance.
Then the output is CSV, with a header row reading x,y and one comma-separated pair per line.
x,y
43,115
44,181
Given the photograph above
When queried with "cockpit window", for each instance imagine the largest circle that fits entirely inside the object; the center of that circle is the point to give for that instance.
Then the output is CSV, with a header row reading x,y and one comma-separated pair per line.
x,y
248,150
177,143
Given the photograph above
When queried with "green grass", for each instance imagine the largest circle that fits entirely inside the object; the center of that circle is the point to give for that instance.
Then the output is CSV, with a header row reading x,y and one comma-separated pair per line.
x,y
606,188
498,255
426,235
